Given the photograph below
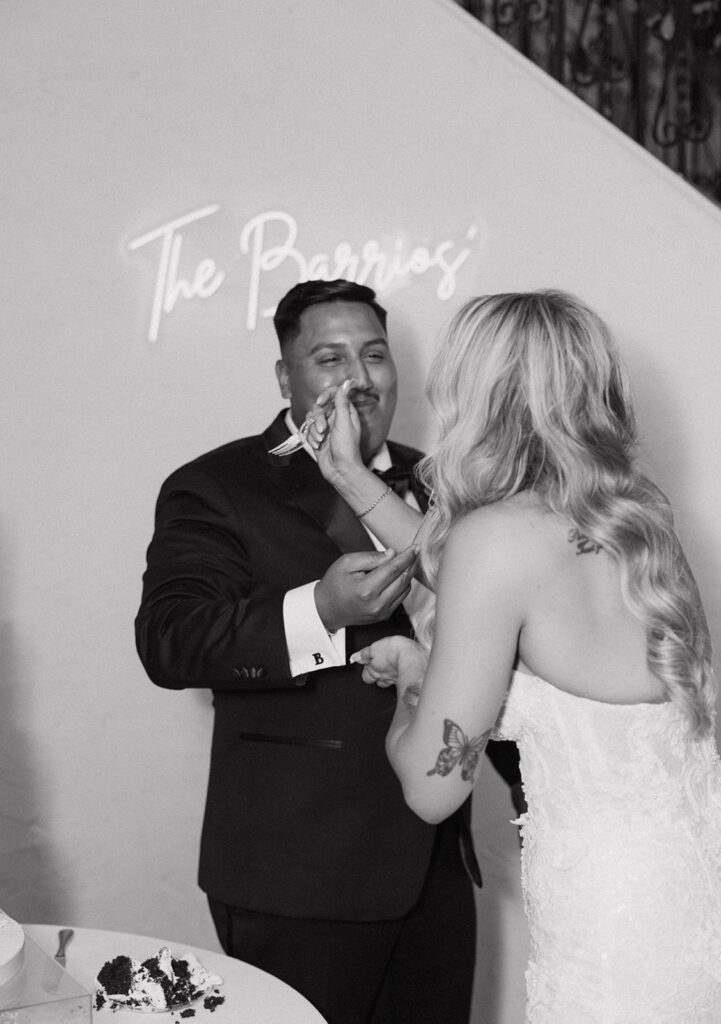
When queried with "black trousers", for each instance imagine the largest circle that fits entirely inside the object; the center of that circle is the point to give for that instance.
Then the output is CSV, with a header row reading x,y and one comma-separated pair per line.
x,y
417,970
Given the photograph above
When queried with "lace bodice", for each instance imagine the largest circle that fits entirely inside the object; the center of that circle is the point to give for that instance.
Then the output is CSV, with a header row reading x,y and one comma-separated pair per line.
x,y
621,859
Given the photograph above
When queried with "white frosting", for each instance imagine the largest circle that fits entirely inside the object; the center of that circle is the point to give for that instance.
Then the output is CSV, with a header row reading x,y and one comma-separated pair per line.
x,y
198,974
12,948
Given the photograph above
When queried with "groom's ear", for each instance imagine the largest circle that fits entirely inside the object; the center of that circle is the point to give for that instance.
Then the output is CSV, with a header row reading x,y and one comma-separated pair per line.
x,y
281,372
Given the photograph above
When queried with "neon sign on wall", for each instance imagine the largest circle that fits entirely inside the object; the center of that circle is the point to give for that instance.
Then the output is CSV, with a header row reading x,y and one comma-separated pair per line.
x,y
379,265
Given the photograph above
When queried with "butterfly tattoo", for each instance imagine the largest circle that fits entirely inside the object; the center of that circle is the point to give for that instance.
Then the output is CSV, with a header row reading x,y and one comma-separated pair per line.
x,y
459,750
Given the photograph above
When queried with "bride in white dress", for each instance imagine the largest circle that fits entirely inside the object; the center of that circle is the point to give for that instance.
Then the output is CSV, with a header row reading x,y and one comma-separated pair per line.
x,y
567,619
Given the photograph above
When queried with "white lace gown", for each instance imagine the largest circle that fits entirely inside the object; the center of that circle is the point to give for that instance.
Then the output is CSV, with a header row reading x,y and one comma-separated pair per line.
x,y
621,862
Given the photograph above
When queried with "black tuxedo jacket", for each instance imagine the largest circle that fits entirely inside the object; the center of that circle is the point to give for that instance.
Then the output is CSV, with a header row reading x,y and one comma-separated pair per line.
x,y
304,816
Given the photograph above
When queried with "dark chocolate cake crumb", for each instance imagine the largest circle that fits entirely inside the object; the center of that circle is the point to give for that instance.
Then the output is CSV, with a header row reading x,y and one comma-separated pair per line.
x,y
181,968
116,976
210,1002
190,1012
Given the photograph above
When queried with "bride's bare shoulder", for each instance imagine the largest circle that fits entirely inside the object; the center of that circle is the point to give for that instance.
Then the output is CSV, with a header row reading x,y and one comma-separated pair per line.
x,y
523,511
504,530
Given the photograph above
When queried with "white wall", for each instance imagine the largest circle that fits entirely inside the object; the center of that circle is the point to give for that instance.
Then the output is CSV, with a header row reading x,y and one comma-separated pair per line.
x,y
406,124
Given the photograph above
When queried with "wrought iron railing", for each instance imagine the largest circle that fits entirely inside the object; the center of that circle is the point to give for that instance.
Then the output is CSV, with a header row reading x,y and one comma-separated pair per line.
x,y
652,67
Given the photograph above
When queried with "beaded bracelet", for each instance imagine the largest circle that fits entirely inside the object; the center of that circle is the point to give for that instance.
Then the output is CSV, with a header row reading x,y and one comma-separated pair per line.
x,y
386,492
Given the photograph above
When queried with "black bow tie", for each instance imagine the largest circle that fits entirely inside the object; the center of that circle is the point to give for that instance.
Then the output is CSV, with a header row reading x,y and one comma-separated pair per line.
x,y
397,479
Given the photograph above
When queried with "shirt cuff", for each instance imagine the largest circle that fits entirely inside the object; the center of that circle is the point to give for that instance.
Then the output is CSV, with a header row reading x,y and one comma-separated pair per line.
x,y
310,645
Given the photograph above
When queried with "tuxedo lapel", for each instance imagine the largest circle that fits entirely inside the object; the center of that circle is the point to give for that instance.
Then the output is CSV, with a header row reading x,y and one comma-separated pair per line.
x,y
298,476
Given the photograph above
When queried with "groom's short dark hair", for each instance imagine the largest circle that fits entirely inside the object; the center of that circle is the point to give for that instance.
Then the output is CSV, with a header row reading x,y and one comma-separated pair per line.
x,y
311,293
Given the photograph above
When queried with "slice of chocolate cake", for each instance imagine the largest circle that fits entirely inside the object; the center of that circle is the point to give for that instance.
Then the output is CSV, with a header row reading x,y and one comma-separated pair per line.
x,y
161,982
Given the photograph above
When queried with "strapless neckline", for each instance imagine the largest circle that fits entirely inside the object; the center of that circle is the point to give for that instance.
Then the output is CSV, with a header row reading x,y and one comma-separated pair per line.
x,y
528,679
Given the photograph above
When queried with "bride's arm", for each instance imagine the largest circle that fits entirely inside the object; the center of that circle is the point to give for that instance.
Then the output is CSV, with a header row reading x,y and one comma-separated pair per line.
x,y
335,437
436,747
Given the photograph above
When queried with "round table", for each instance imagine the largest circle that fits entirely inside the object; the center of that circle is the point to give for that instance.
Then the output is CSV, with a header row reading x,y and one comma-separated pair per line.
x,y
251,995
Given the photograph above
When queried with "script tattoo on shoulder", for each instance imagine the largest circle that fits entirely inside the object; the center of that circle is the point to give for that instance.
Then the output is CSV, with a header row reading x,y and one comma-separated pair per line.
x,y
459,750
584,544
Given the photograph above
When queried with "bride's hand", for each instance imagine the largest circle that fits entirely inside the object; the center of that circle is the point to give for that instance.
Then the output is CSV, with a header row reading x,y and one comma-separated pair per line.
x,y
335,433
394,661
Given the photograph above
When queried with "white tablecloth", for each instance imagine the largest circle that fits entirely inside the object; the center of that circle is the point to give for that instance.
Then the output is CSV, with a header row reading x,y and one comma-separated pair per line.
x,y
251,995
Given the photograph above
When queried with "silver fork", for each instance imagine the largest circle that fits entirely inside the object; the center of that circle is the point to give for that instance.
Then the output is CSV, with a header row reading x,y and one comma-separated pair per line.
x,y
64,937
296,441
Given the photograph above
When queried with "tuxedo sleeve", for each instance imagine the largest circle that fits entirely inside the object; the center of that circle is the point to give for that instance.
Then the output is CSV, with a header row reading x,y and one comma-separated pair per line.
x,y
206,618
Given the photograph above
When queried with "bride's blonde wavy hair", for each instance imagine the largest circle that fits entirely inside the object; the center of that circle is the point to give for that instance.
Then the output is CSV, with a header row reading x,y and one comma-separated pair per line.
x,y
530,394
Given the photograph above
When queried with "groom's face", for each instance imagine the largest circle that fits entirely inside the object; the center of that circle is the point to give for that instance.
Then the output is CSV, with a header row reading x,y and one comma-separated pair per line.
x,y
338,340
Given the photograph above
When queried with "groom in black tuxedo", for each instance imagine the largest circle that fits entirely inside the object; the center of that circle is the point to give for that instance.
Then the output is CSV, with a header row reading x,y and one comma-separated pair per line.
x,y
260,584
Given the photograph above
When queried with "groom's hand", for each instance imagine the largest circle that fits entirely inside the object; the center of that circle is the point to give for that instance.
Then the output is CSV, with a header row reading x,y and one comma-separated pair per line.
x,y
364,587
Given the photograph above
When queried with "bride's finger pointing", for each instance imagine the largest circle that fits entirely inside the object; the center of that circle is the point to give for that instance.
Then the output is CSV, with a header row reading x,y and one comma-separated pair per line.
x,y
361,657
